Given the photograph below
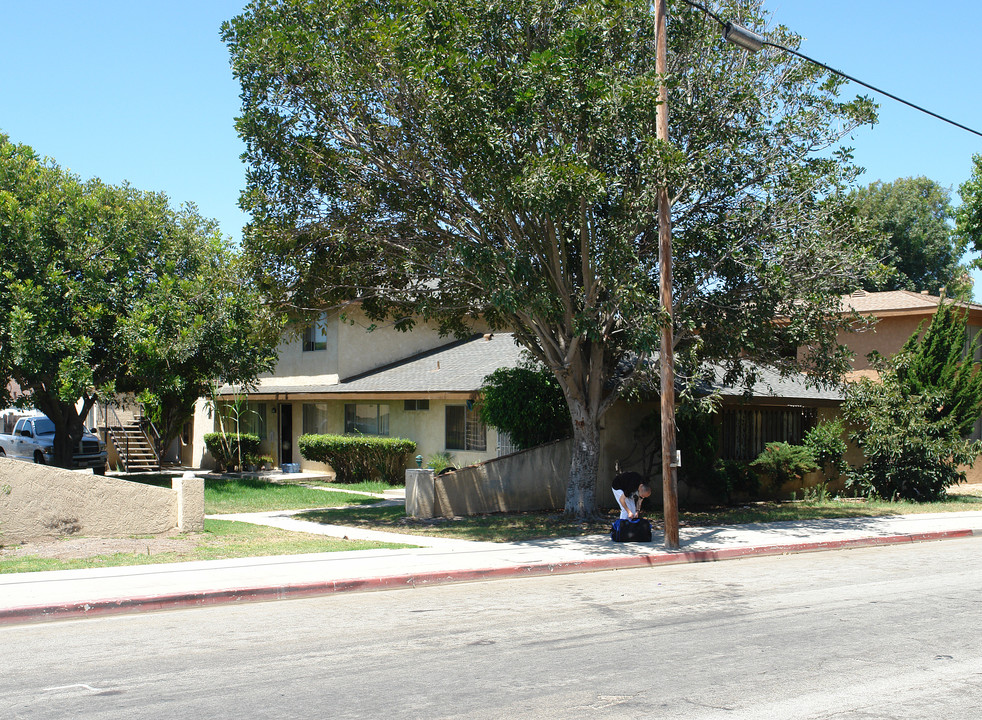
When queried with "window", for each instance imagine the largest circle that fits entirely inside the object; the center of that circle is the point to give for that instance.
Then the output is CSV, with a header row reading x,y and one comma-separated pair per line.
x,y
414,405
464,429
746,431
243,417
505,444
315,418
366,419
315,336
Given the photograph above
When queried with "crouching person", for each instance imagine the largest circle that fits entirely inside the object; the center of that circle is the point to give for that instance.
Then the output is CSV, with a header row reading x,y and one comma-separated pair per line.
x,y
629,490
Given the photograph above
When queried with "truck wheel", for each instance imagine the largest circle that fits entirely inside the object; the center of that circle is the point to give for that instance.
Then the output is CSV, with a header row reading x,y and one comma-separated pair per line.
x,y
101,470
2,453
39,457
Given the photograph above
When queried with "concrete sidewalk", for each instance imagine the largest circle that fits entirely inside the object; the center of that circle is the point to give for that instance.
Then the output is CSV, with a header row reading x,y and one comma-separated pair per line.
x,y
32,597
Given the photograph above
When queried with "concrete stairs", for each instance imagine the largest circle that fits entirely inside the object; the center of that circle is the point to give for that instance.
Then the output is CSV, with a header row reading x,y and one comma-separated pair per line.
x,y
134,449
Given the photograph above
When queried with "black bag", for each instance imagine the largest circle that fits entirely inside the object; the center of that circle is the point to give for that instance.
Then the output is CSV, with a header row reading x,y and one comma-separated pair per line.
x,y
631,530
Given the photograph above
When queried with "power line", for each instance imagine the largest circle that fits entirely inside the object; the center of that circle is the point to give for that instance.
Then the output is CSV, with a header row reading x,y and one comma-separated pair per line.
x,y
752,41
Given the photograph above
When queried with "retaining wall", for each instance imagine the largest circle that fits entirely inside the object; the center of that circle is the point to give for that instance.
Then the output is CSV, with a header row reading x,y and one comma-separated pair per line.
x,y
39,501
531,480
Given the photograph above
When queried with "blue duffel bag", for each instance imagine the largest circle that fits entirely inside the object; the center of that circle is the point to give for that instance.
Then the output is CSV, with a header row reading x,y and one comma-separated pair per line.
x,y
624,530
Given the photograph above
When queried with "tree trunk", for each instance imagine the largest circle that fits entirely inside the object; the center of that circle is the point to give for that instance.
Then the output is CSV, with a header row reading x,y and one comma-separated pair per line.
x,y
581,491
68,427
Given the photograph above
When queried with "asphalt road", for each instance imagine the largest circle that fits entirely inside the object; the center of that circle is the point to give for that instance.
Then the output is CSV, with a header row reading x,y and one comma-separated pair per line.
x,y
877,633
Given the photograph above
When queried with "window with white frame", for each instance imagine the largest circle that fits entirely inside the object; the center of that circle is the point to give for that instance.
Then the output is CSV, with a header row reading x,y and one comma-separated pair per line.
x,y
366,419
315,335
315,418
464,429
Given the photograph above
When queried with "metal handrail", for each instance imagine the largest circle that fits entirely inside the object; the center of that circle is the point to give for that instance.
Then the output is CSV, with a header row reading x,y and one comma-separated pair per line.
x,y
111,432
117,424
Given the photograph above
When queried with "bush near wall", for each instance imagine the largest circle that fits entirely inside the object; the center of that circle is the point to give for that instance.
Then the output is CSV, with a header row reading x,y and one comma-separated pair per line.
x,y
226,448
356,457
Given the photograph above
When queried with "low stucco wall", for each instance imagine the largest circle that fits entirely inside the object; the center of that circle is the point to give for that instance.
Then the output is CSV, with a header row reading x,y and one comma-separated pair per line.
x,y
39,501
531,480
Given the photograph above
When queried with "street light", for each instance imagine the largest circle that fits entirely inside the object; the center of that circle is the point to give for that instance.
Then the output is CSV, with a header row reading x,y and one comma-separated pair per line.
x,y
739,35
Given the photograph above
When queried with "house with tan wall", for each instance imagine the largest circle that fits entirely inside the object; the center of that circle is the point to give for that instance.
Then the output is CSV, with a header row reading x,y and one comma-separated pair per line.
x,y
337,377
886,320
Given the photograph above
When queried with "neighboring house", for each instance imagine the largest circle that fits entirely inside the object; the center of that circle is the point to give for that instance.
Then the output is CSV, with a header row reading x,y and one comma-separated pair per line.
x,y
895,316
892,317
888,319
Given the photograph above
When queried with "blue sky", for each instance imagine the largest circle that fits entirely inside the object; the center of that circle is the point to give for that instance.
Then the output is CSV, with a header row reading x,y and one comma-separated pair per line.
x,y
142,91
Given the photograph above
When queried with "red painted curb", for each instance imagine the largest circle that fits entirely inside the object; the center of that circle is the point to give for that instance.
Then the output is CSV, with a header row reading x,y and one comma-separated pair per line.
x,y
205,598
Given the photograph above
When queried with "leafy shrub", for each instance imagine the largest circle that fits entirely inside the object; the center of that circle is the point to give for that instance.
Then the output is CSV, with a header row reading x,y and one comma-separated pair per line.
x,y
911,453
912,425
441,461
229,449
781,462
357,457
735,477
527,403
827,446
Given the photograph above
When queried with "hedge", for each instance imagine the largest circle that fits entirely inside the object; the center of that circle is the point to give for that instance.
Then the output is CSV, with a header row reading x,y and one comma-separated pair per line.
x,y
358,457
225,448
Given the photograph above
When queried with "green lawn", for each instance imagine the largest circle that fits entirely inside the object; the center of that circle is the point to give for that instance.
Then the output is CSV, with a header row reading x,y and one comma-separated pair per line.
x,y
246,494
511,527
223,539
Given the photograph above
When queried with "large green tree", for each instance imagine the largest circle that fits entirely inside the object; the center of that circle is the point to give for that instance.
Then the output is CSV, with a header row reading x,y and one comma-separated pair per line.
x,y
107,289
450,159
968,217
201,323
912,222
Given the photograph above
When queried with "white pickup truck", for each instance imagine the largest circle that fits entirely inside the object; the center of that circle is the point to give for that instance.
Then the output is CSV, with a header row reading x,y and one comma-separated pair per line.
x,y
33,440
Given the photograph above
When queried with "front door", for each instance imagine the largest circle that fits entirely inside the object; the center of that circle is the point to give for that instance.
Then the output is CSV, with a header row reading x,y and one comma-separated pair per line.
x,y
286,434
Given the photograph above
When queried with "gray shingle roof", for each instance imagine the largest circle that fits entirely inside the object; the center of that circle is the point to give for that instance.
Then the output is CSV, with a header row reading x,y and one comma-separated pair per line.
x,y
461,366
770,385
458,367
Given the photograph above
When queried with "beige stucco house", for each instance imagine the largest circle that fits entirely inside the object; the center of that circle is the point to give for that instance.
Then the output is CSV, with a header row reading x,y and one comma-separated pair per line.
x,y
885,321
337,377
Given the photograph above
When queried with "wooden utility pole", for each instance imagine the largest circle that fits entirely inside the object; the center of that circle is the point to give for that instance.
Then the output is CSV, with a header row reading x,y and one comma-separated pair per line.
x,y
667,354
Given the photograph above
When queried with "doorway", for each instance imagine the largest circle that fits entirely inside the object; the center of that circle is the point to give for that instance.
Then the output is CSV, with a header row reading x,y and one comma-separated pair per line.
x,y
286,434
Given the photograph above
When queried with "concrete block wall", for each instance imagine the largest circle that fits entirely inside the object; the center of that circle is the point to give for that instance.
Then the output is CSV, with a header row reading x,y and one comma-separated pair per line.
x,y
531,480
39,501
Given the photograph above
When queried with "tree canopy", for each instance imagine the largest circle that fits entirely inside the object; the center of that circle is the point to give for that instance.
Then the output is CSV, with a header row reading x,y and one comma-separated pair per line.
x,y
527,403
968,217
108,289
912,220
455,159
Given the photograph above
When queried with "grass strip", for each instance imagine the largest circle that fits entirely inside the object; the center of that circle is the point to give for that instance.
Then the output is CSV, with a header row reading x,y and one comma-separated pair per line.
x,y
246,494
221,539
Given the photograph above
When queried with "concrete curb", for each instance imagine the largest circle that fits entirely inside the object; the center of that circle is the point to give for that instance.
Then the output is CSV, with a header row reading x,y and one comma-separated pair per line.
x,y
171,601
